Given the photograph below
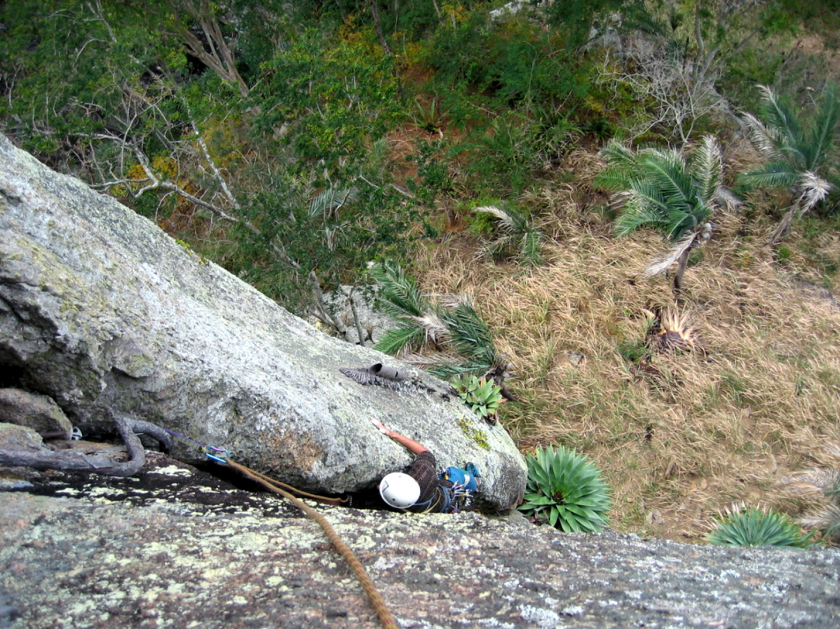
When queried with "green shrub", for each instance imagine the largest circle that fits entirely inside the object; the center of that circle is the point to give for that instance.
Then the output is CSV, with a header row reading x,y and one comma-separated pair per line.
x,y
752,526
483,396
632,351
566,490
515,234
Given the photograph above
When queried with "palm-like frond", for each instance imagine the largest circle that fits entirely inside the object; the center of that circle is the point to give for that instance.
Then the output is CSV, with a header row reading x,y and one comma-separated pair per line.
x,y
822,481
401,338
777,174
435,328
668,172
666,192
530,251
622,167
788,150
707,167
660,265
504,218
825,126
644,205
776,113
815,482
331,200
399,293
814,189
454,326
470,335
516,232
826,520
766,140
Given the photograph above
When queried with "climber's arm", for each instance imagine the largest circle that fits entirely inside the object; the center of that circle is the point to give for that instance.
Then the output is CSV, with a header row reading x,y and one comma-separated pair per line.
x,y
410,444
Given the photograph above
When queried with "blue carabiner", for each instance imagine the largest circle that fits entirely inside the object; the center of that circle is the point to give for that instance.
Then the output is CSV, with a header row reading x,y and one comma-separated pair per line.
x,y
211,451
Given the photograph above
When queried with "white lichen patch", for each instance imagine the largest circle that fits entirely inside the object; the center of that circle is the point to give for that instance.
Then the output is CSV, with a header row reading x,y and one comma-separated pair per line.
x,y
364,542
171,470
252,542
493,622
215,574
542,618
69,491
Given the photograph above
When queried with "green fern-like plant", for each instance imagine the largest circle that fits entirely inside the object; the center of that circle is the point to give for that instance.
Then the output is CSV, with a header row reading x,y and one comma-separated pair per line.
x,y
664,190
483,396
798,154
751,526
566,490
455,329
515,234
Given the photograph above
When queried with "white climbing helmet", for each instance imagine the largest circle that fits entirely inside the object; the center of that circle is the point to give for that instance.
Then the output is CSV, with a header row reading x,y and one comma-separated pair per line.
x,y
399,490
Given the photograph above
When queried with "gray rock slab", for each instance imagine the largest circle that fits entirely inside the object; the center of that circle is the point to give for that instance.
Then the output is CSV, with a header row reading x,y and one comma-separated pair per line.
x,y
38,412
100,309
16,437
169,563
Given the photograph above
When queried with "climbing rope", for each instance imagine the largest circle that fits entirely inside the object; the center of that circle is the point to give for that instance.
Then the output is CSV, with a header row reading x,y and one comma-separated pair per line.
x,y
222,456
343,549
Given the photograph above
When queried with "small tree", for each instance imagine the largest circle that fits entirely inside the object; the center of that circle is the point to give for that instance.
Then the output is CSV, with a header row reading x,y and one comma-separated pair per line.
x,y
663,190
796,152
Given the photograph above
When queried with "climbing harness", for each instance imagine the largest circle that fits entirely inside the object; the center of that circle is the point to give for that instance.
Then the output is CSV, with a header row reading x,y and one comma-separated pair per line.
x,y
222,456
458,497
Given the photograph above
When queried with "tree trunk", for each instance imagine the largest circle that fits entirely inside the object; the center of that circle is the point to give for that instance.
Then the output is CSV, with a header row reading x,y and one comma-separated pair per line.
x,y
377,24
784,225
682,263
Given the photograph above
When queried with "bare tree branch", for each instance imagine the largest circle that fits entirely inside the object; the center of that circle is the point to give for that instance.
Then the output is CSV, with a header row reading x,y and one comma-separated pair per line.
x,y
219,57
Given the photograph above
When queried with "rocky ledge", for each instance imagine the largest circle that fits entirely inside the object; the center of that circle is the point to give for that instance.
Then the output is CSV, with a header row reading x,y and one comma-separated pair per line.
x,y
174,547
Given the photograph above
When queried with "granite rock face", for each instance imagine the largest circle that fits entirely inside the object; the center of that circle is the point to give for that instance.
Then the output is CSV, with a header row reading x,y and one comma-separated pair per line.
x,y
100,309
181,550
38,412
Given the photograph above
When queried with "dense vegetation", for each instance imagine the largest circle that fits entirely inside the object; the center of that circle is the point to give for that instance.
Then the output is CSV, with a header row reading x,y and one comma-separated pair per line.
x,y
500,153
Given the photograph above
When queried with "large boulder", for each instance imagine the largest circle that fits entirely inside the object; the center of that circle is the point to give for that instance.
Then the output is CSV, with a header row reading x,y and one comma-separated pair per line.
x,y
100,309
35,411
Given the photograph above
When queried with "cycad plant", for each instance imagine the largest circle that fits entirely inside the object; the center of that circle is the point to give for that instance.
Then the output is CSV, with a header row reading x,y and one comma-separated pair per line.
x,y
670,330
664,190
797,153
740,525
454,328
566,490
515,234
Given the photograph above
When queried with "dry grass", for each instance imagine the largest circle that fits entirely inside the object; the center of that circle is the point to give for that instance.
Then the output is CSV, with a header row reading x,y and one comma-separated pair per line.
x,y
679,435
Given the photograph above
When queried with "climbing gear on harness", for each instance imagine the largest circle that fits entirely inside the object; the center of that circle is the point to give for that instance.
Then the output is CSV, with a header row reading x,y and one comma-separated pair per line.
x,y
464,486
399,490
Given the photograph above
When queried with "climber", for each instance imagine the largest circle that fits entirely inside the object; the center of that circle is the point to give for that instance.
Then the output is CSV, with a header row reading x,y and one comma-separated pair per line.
x,y
421,490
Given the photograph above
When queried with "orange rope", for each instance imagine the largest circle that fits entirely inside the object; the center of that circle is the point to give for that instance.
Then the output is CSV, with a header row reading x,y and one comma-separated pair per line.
x,y
343,549
276,483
